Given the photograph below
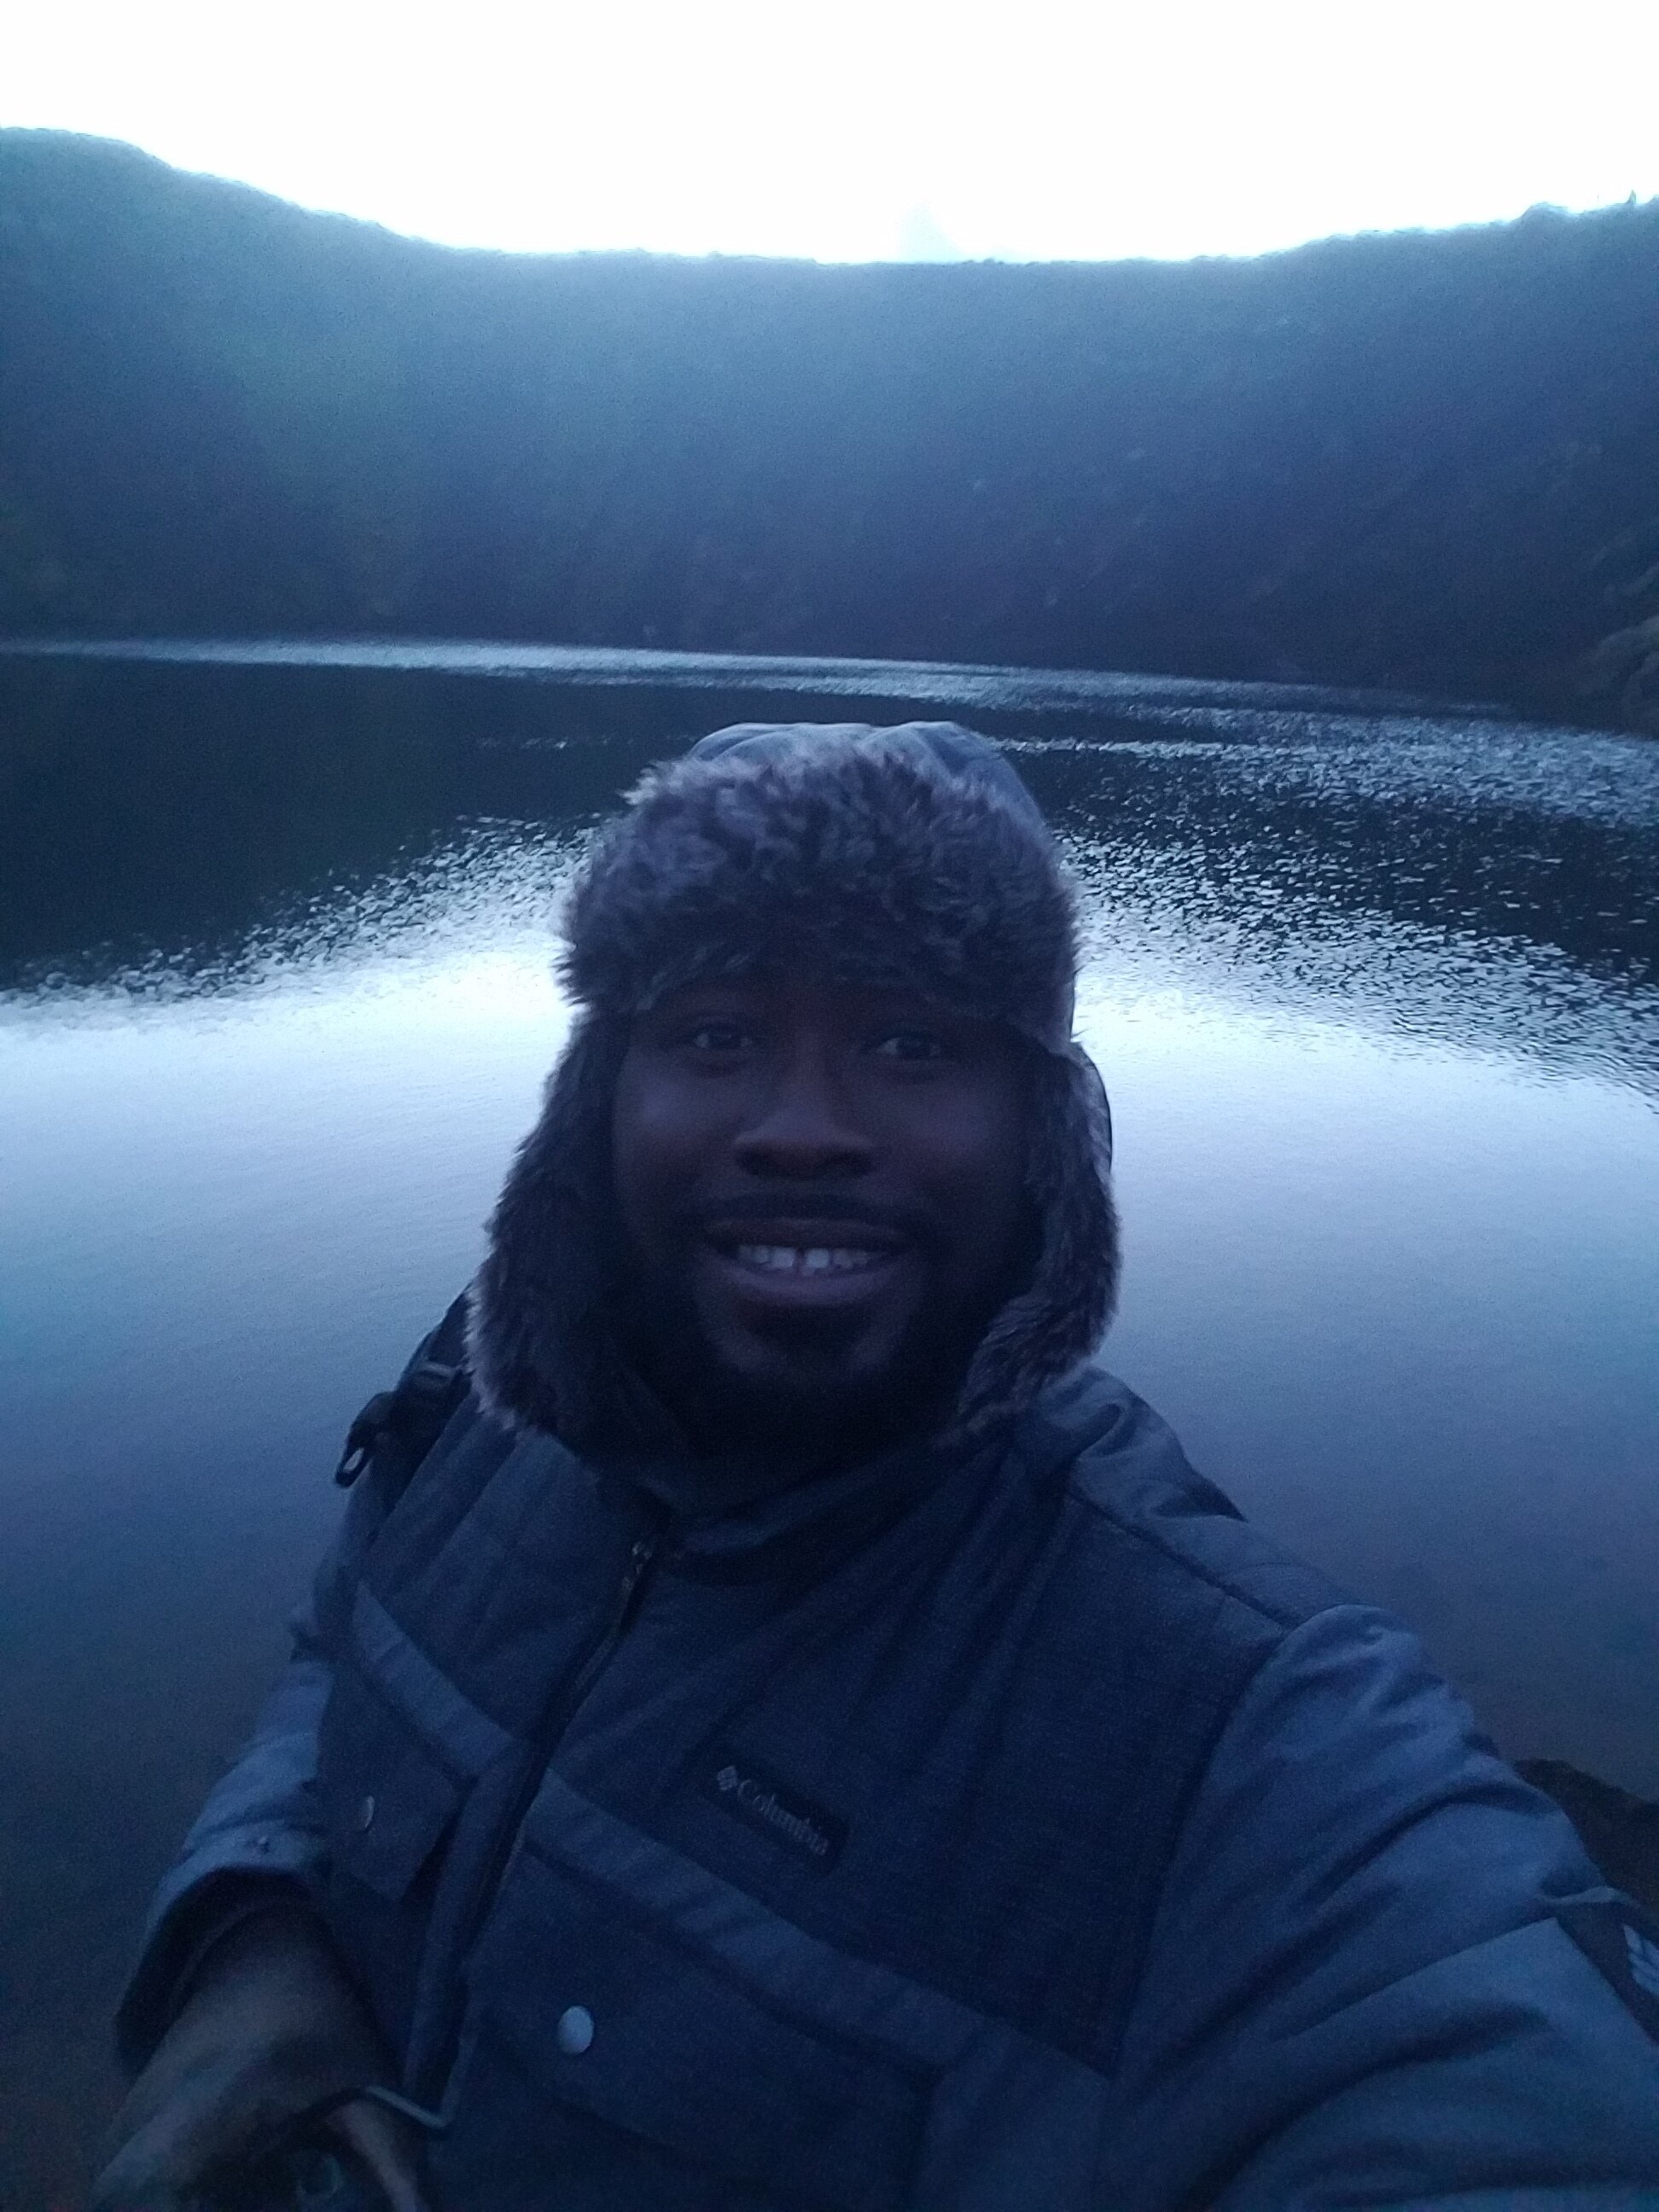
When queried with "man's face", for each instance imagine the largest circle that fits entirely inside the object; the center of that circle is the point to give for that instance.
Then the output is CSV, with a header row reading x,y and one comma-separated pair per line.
x,y
824,1190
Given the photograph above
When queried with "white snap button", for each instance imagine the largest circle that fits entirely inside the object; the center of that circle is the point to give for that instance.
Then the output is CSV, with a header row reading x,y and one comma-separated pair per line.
x,y
574,2031
366,1813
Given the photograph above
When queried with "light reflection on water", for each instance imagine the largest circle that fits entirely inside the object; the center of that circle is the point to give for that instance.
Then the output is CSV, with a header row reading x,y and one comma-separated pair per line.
x,y
1375,999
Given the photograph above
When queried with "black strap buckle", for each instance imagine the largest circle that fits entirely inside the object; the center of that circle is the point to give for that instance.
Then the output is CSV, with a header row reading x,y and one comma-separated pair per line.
x,y
415,1412
361,1437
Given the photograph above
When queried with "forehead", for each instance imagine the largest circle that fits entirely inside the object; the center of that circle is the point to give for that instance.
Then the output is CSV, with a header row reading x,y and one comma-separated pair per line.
x,y
793,999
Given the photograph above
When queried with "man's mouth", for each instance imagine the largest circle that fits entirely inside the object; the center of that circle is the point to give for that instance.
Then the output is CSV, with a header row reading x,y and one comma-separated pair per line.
x,y
807,1259
810,1261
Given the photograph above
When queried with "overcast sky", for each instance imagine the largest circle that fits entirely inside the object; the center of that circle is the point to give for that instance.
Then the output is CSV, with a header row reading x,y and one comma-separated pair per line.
x,y
855,129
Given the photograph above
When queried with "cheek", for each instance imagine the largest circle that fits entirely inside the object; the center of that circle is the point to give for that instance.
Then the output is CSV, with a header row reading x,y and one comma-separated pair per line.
x,y
665,1133
968,1151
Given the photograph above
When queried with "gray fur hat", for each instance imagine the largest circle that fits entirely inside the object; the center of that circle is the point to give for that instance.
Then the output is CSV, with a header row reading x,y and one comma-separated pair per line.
x,y
910,858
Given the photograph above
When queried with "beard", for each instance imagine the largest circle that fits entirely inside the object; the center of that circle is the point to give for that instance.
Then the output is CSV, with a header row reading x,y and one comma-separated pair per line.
x,y
820,1406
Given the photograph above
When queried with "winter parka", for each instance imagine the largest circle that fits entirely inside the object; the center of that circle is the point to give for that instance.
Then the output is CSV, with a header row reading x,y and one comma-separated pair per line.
x,y
1019,1833
1001,1825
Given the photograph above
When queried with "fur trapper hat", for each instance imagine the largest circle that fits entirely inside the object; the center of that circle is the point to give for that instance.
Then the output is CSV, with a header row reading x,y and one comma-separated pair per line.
x,y
910,858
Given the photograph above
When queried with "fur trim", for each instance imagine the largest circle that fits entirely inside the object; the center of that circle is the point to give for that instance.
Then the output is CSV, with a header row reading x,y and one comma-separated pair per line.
x,y
910,858
1061,1315
540,1326
896,858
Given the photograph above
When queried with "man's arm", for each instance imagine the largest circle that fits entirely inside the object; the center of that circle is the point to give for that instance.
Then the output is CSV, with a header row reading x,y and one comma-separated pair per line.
x,y
257,1844
271,2046
240,2018
1369,1982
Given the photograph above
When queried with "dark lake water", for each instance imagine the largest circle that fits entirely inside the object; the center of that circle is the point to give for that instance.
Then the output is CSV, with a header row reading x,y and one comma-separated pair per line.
x,y
1373,985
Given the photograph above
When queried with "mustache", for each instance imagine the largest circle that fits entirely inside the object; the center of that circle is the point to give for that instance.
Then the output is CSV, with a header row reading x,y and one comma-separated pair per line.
x,y
800,1203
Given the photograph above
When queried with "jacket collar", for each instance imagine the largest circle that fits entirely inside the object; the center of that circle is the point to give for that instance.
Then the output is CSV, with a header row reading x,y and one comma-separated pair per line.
x,y
807,1528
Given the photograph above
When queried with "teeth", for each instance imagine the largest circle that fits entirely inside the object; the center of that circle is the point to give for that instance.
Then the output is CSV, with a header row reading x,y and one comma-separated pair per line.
x,y
810,1260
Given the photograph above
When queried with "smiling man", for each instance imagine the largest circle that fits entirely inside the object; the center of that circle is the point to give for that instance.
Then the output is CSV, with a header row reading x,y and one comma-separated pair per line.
x,y
823,1191
780,1728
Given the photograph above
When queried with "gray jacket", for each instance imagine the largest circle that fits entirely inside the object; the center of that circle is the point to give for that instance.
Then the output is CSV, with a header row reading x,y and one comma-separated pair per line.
x,y
1005,1827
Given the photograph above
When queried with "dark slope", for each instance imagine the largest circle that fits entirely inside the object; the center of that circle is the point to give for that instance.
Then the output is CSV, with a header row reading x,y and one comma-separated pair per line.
x,y
1421,460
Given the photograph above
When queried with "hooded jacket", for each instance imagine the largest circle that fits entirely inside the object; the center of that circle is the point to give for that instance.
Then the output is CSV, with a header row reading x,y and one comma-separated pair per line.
x,y
999,1824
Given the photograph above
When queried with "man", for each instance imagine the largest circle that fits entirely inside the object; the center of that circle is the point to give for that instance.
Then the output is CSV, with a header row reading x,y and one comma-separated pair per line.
x,y
803,1737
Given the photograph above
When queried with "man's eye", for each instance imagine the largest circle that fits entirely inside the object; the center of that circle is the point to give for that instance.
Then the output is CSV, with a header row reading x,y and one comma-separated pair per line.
x,y
911,1044
717,1037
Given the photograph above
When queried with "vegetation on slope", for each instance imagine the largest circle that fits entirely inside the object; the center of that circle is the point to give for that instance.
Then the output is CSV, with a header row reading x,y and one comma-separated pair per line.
x,y
1422,460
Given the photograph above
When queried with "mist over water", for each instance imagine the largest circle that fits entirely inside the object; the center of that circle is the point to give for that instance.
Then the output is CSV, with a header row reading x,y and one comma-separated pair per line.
x,y
1374,991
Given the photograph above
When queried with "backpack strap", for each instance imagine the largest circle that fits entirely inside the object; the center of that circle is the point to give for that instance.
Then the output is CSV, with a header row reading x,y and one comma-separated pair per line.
x,y
398,1428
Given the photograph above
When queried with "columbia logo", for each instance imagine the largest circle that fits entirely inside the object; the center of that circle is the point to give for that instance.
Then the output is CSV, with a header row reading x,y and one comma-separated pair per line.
x,y
1643,1961
777,1811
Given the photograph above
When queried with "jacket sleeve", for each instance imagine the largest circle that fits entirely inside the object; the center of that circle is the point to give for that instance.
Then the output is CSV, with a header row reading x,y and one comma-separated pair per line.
x,y
1371,1980
259,1838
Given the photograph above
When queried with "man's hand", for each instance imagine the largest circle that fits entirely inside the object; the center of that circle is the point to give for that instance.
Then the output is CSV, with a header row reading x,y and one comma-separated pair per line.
x,y
272,2030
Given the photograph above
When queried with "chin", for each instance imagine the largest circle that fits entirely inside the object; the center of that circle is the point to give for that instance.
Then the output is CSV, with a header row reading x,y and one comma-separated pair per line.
x,y
833,1399
810,1358
828,1384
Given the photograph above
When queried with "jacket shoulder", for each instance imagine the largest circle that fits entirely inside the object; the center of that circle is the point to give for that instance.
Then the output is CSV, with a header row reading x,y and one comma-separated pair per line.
x,y
1127,1636
1138,1503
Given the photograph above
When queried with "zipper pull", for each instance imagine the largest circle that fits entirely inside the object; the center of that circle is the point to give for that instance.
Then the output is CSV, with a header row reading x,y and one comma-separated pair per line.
x,y
639,1559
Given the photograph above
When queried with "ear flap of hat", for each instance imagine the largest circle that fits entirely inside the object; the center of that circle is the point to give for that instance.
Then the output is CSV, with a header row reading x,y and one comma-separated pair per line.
x,y
1061,1315
543,1348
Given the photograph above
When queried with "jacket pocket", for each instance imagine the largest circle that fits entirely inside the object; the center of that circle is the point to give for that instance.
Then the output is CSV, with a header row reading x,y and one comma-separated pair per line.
x,y
606,2008
388,1805
386,1799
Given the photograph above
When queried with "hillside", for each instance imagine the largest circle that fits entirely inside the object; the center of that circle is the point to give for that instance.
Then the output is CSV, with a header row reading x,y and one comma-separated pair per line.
x,y
1419,460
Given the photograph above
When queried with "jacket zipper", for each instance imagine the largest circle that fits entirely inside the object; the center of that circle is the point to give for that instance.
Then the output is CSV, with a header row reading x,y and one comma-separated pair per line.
x,y
548,1737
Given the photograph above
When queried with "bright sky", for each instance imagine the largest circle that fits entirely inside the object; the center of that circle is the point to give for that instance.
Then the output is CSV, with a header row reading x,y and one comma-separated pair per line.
x,y
856,129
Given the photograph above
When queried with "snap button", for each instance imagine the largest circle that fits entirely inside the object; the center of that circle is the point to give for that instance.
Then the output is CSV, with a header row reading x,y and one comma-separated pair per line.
x,y
366,1813
574,2031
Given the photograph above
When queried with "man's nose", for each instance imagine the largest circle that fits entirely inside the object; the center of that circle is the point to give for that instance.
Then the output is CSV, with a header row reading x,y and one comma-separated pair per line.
x,y
803,1128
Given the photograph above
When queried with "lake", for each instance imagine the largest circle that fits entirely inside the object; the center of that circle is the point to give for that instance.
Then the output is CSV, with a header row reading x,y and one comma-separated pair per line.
x,y
1372,983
